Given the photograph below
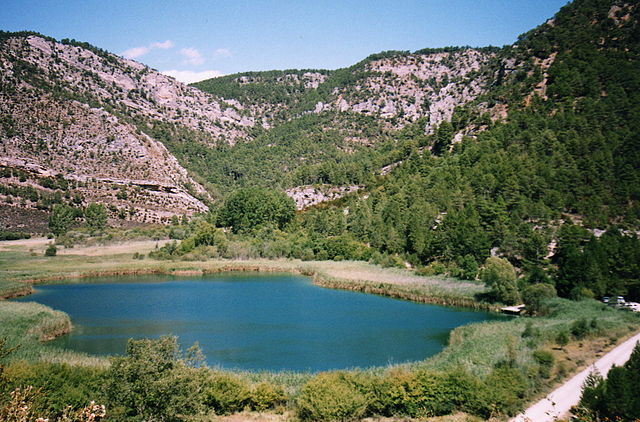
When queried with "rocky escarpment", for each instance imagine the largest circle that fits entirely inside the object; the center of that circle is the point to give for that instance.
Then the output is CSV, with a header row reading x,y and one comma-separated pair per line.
x,y
69,132
397,87
308,196
407,87
128,87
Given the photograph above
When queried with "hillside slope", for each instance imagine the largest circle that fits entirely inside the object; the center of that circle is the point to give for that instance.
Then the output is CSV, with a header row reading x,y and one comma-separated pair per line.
x,y
549,179
72,111
548,124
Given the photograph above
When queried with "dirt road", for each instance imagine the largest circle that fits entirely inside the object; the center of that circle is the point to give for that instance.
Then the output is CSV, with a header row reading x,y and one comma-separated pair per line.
x,y
558,403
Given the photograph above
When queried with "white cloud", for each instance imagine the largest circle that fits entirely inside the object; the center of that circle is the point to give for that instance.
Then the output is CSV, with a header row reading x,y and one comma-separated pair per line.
x,y
222,52
189,76
132,53
192,56
136,52
163,45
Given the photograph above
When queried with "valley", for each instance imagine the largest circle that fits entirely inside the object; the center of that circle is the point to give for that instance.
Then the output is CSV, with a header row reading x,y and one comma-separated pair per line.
x,y
473,177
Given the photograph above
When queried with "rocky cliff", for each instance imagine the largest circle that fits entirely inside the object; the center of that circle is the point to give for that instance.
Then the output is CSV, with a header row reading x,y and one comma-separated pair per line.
x,y
76,113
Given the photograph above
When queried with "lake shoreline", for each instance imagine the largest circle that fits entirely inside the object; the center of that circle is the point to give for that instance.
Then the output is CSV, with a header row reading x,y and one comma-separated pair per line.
x,y
395,291
219,311
479,347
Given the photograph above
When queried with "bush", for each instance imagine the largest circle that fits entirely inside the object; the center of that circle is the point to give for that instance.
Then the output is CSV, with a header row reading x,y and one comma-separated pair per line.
x,y
226,394
530,330
152,382
535,298
61,218
51,250
95,216
394,394
562,339
580,328
468,267
251,208
503,393
581,293
331,396
545,360
7,235
58,385
500,276
266,396
421,393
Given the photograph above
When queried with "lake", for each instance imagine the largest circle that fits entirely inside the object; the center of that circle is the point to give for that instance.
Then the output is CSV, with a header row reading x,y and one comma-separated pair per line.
x,y
253,321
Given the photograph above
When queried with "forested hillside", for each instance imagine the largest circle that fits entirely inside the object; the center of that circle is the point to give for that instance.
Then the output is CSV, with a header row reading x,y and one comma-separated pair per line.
x,y
540,168
444,157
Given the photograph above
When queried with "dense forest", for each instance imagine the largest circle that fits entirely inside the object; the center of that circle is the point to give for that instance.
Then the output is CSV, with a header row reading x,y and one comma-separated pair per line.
x,y
553,187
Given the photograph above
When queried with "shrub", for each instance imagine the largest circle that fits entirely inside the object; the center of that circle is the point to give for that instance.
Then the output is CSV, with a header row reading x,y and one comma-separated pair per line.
x,y
535,298
61,218
424,393
266,396
500,276
530,330
226,394
151,382
545,360
331,396
581,293
7,235
58,386
562,339
393,394
51,250
96,217
580,328
251,208
503,393
468,267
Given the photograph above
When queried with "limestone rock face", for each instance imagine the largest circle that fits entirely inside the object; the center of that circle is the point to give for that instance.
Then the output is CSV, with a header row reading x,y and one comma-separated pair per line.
x,y
70,113
308,196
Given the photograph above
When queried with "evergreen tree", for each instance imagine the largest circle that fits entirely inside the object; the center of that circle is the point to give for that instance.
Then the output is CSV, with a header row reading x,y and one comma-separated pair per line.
x,y
96,217
61,218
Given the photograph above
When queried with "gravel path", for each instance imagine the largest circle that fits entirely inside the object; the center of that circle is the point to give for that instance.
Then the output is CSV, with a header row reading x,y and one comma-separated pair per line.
x,y
558,403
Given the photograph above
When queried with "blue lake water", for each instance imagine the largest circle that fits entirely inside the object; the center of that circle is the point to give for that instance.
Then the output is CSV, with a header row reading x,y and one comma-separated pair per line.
x,y
253,321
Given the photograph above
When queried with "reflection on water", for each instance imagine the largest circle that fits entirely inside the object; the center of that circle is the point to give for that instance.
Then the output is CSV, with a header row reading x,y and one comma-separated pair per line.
x,y
253,321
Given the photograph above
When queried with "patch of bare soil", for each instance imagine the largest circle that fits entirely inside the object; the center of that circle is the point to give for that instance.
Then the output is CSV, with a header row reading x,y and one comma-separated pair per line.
x,y
140,246
34,242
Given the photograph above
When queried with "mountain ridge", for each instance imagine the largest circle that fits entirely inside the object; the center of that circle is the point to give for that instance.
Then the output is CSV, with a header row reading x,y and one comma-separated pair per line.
x,y
282,129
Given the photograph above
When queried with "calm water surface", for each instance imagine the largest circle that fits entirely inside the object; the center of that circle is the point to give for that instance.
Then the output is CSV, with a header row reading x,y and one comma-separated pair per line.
x,y
253,321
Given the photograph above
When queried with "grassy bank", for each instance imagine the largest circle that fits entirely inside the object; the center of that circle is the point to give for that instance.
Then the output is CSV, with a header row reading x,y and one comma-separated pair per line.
x,y
24,264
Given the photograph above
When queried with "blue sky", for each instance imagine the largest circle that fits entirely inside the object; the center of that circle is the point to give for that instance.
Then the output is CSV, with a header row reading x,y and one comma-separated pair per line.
x,y
205,38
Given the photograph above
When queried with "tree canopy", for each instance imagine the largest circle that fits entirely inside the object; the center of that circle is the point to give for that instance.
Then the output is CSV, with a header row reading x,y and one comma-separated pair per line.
x,y
251,208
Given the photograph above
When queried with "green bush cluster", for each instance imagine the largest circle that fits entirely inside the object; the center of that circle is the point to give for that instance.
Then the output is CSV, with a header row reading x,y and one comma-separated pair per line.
x,y
154,381
545,360
341,396
10,235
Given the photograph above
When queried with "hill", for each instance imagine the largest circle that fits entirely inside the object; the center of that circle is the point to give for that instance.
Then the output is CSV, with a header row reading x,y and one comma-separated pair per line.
x,y
78,125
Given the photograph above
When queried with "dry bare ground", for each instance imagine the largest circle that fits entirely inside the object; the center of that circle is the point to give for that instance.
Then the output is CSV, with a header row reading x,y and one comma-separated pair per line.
x,y
40,244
